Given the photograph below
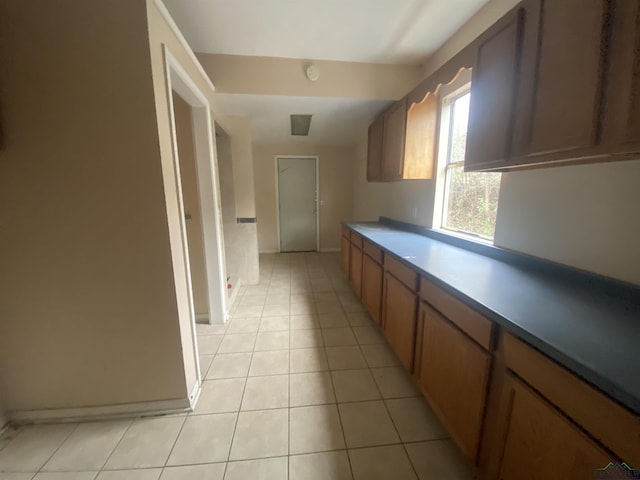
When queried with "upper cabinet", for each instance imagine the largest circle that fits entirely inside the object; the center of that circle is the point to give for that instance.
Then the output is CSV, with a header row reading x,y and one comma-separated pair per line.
x,y
395,124
374,150
556,81
621,126
561,82
402,141
494,93
421,137
553,82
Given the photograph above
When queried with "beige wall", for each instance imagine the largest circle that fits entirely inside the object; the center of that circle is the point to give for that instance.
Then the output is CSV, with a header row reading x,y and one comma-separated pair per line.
x,y
87,297
584,216
335,182
242,156
191,201
286,76
241,240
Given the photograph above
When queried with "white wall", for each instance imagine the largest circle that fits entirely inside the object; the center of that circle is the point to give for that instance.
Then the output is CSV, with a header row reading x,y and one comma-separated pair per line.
x,y
585,216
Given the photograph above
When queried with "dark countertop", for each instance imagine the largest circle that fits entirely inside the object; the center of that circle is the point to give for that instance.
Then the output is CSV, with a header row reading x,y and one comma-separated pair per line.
x,y
591,332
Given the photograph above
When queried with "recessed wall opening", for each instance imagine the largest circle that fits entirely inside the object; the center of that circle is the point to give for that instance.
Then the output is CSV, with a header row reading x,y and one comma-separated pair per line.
x,y
208,194
191,204
233,252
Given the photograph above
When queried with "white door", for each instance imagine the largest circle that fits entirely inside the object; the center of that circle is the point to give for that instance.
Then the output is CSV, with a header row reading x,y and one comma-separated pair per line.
x,y
297,204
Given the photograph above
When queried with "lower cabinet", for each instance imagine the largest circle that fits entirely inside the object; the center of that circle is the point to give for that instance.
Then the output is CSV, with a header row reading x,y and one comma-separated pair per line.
x,y
453,373
400,305
539,442
372,277
355,269
513,412
344,255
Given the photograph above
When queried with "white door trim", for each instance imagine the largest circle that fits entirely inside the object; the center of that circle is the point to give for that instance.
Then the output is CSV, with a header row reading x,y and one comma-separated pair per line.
x,y
178,80
317,161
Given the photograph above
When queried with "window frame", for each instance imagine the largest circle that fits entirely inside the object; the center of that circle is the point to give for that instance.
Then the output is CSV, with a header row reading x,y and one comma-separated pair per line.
x,y
445,166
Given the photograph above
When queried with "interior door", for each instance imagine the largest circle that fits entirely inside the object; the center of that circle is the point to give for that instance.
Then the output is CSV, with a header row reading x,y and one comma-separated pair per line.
x,y
297,204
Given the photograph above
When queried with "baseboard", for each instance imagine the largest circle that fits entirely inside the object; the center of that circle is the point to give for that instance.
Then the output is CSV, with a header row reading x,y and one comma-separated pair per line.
x,y
202,318
268,252
127,410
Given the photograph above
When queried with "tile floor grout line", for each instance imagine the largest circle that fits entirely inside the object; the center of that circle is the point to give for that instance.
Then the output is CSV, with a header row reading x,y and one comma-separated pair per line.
x,y
344,435
393,422
101,469
289,402
235,426
175,442
56,450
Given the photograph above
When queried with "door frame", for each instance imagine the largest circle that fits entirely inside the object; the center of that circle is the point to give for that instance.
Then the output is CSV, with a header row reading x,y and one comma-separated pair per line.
x,y
178,80
316,158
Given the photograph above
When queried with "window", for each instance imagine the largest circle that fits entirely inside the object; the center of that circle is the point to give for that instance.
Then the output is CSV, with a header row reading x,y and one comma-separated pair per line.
x,y
466,203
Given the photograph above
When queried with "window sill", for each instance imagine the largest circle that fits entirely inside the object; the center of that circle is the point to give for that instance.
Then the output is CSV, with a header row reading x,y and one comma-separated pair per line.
x,y
465,236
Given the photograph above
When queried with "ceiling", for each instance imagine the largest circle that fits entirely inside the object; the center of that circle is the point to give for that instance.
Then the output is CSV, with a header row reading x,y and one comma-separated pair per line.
x,y
335,121
377,31
372,31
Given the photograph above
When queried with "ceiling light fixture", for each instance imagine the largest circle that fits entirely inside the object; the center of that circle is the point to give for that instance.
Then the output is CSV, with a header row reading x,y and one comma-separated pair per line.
x,y
300,125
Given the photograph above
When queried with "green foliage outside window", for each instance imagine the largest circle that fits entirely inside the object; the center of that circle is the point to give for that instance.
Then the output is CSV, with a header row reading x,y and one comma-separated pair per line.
x,y
471,199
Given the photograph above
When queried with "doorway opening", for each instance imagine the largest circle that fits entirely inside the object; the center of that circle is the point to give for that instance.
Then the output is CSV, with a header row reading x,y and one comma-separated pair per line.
x,y
198,196
198,203
297,197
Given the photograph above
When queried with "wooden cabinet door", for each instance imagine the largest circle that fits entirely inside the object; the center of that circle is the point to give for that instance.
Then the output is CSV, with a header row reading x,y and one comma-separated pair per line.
x,y
494,93
560,97
540,442
345,254
372,276
355,275
395,122
374,149
399,319
453,374
621,126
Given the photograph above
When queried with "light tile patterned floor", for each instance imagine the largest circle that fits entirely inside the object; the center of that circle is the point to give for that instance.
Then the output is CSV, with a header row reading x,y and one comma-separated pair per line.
x,y
300,384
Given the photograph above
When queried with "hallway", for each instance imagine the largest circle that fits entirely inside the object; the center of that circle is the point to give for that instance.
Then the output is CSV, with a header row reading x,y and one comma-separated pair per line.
x,y
298,385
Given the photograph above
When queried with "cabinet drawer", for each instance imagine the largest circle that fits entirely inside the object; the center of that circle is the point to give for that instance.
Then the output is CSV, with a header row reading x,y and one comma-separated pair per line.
x,y
356,240
355,270
605,420
374,252
346,232
401,272
469,321
345,255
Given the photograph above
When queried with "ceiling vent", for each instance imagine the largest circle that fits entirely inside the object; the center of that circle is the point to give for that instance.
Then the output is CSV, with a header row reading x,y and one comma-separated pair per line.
x,y
300,125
